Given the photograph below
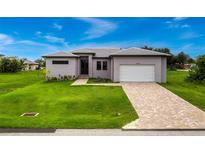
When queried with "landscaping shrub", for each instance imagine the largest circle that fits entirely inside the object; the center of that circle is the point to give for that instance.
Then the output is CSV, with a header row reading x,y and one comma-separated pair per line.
x,y
197,72
61,78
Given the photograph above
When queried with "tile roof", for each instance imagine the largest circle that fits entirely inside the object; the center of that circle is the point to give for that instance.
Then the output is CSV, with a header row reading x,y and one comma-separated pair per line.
x,y
138,52
60,54
98,52
29,62
106,52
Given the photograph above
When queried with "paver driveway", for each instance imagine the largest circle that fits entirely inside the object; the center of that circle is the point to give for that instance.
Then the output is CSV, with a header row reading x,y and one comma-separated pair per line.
x,y
158,108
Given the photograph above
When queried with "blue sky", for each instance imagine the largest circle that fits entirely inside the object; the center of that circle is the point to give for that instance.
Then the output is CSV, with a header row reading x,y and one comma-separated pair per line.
x,y
33,37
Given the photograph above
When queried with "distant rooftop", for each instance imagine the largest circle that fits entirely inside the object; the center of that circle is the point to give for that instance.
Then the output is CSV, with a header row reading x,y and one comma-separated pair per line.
x,y
29,62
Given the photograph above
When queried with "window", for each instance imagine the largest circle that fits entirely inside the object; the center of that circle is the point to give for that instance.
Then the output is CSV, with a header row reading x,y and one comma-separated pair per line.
x,y
104,65
60,62
98,65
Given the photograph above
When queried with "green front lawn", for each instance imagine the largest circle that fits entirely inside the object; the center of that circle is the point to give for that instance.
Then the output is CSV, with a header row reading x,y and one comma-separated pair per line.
x,y
61,105
11,81
193,93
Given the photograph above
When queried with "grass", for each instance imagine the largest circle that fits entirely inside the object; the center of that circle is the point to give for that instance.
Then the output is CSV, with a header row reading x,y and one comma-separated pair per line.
x,y
61,105
12,81
99,80
193,93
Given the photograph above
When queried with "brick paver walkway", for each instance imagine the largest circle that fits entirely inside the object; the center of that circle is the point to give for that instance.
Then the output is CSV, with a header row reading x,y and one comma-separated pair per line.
x,y
158,108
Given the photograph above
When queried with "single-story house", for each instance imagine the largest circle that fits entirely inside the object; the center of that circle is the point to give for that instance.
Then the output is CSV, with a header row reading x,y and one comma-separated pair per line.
x,y
117,64
30,65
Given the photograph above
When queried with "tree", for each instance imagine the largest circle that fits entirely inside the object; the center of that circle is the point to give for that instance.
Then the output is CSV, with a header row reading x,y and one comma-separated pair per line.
x,y
191,61
147,47
163,50
11,64
41,62
182,58
197,72
171,60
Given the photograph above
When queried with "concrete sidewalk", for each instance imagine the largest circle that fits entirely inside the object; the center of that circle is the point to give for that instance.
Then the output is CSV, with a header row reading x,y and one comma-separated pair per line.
x,y
79,82
109,132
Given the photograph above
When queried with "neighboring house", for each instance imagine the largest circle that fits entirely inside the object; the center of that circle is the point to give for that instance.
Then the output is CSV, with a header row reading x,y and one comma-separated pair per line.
x,y
132,64
184,66
30,65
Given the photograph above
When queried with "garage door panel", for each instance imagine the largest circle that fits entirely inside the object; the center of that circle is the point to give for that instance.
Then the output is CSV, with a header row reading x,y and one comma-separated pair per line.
x,y
137,73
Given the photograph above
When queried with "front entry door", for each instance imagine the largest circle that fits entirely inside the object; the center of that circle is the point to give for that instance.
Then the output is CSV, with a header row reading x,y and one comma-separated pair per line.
x,y
84,66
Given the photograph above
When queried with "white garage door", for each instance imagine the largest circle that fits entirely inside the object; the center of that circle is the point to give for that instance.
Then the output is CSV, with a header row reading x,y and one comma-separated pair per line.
x,y
137,73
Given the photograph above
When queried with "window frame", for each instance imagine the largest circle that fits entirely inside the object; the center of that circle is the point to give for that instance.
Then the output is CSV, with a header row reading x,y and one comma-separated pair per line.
x,y
104,62
100,65
57,62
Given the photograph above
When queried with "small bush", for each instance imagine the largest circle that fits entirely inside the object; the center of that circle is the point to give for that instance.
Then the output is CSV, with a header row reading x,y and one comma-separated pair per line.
x,y
65,77
54,78
60,78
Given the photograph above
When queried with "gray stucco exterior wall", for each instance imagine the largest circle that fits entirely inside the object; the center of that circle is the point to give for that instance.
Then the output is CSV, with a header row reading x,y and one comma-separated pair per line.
x,y
54,70
101,73
113,66
156,61
164,69
111,69
90,66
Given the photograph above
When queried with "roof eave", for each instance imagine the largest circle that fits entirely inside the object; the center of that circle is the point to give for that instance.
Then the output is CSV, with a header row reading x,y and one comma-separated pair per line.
x,y
101,57
140,55
83,53
60,56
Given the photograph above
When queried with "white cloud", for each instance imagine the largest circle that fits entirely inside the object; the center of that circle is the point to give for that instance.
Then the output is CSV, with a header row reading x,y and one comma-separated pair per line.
x,y
179,18
31,43
57,26
99,27
38,33
186,47
190,35
54,39
12,47
177,23
16,33
185,26
5,39
119,44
